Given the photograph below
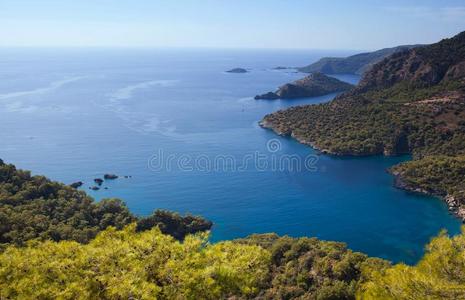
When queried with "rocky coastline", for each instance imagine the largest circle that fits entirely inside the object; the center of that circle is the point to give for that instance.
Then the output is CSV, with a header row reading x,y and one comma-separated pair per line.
x,y
454,203
268,125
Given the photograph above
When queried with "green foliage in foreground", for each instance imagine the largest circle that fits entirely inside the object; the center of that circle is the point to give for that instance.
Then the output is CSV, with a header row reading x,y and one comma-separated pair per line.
x,y
42,223
129,265
439,275
34,207
307,268
126,264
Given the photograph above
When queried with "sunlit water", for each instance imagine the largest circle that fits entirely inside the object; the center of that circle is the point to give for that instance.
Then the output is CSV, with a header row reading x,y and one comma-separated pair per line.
x,y
162,116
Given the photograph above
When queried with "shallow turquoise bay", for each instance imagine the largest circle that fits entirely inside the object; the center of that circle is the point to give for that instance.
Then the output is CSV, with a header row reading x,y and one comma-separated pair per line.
x,y
76,114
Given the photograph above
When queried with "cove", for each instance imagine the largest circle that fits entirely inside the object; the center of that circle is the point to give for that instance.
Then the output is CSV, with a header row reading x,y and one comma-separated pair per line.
x,y
76,114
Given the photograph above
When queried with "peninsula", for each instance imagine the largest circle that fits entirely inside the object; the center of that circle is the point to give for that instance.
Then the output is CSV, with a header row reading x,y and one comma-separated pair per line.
x,y
313,85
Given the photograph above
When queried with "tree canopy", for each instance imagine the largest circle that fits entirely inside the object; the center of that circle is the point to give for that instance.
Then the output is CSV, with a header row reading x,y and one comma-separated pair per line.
x,y
125,264
440,274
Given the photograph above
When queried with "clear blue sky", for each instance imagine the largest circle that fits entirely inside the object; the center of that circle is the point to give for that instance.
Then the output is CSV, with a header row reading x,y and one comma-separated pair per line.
x,y
330,24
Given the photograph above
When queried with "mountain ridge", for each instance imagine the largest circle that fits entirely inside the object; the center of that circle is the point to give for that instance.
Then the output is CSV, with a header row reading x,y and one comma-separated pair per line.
x,y
354,64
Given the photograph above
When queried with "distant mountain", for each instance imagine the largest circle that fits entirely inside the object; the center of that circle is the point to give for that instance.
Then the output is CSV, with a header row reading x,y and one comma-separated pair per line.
x,y
355,64
420,67
313,85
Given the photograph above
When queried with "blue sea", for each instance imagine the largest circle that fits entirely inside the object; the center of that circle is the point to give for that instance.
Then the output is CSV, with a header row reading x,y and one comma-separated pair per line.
x,y
187,134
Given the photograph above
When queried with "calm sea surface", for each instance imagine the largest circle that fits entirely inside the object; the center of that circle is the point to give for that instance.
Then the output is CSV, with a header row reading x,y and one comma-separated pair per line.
x,y
187,133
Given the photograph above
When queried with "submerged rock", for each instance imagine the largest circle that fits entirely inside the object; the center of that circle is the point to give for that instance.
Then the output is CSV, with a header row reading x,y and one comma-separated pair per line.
x,y
94,188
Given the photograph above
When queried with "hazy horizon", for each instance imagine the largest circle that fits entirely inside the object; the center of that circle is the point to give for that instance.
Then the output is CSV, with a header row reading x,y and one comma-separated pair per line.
x,y
220,24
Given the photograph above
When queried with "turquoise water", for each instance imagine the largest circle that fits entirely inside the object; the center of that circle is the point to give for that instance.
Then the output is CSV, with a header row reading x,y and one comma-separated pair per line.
x,y
184,130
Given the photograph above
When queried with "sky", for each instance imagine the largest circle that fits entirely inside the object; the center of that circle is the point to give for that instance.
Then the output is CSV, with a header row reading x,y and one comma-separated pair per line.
x,y
330,24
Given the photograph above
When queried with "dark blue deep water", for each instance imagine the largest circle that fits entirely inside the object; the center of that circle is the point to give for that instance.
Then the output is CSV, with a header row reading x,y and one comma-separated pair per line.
x,y
187,133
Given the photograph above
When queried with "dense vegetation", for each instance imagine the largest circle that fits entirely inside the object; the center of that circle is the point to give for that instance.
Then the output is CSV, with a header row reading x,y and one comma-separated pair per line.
x,y
439,175
174,224
129,265
315,84
50,251
411,102
391,124
439,275
33,207
355,64
126,264
307,268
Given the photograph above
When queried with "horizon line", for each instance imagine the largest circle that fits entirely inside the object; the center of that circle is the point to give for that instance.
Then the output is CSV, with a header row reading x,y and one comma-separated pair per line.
x,y
6,47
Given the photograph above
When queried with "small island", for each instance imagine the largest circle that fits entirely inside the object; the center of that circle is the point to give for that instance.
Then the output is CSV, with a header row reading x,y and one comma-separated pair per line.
x,y
237,70
110,176
313,85
281,68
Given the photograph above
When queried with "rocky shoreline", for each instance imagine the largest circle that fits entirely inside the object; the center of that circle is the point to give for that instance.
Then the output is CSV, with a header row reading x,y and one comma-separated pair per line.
x,y
268,125
454,204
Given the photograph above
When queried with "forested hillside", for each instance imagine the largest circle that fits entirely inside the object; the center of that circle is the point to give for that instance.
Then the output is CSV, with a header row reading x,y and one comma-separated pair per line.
x,y
411,102
34,207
